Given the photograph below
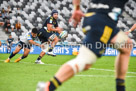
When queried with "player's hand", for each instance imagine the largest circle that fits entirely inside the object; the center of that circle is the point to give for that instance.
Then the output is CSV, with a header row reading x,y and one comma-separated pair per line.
x,y
127,33
76,17
37,44
59,29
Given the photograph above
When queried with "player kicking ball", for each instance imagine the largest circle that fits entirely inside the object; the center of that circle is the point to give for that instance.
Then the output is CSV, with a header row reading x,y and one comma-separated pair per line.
x,y
100,26
48,35
25,42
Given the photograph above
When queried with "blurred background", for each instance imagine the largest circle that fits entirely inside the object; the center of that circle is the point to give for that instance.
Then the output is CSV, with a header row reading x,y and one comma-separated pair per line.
x,y
23,15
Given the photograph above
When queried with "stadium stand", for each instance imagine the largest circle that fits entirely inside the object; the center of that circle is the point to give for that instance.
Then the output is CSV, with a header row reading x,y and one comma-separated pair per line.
x,y
32,13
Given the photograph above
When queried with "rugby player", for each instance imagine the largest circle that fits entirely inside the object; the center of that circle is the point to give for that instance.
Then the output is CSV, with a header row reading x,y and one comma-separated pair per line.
x,y
48,35
9,43
99,25
25,42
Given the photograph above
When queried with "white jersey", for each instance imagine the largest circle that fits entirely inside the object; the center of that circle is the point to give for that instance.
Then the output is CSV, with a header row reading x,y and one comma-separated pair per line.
x,y
27,37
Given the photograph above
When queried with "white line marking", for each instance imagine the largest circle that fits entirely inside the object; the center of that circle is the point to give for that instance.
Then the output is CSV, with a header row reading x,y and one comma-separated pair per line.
x,y
110,70
90,68
34,63
101,76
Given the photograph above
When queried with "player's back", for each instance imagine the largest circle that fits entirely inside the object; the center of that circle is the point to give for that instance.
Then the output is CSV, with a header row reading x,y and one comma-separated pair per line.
x,y
113,8
110,3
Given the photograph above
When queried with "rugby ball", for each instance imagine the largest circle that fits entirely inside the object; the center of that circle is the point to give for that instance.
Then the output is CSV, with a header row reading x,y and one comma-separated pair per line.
x,y
63,34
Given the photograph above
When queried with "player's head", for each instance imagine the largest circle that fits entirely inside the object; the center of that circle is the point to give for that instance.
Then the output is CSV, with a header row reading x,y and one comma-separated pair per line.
x,y
54,14
10,36
34,32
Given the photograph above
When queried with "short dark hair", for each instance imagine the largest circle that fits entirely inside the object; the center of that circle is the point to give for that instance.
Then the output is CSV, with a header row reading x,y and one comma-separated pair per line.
x,y
34,30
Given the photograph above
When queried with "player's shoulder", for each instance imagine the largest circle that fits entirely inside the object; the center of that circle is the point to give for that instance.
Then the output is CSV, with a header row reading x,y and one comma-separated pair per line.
x,y
28,34
50,19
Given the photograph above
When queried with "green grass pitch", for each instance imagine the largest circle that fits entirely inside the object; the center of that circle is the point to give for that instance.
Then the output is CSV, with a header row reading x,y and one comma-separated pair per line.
x,y
25,75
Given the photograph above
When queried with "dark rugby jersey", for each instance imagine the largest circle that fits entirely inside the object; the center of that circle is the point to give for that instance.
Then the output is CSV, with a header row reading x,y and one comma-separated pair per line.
x,y
111,7
10,40
50,20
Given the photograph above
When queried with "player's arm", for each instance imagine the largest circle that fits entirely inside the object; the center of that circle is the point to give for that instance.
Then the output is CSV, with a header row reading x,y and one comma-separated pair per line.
x,y
61,29
34,43
77,13
50,28
76,3
29,38
132,28
0,43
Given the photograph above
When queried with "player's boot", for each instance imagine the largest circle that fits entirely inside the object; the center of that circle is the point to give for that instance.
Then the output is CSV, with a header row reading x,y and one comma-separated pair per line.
x,y
39,62
42,86
51,54
17,60
7,61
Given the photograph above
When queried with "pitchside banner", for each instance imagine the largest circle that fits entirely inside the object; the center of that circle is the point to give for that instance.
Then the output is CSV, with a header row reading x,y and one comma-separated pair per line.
x,y
63,50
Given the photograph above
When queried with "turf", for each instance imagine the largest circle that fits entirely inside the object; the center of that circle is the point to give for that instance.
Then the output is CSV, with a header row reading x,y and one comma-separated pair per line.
x,y
24,76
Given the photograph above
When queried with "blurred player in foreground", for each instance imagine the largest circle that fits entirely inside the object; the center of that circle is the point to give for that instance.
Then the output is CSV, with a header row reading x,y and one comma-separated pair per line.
x,y
48,35
26,43
9,43
99,26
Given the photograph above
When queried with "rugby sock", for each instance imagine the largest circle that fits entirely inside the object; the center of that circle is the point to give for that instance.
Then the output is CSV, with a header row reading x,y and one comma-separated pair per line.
x,y
54,84
120,85
39,58
11,55
50,50
23,57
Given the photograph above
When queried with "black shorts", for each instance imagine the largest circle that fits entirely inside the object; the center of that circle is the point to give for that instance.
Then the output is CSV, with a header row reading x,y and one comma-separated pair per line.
x,y
44,35
23,45
101,30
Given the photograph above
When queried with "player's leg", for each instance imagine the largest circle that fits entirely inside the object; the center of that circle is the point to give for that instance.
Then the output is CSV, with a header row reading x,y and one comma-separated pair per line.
x,y
45,48
82,62
18,48
8,47
26,52
38,61
122,60
53,43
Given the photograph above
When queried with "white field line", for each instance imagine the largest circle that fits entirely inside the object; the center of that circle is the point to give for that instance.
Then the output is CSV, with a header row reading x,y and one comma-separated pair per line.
x,y
102,76
110,70
60,65
34,63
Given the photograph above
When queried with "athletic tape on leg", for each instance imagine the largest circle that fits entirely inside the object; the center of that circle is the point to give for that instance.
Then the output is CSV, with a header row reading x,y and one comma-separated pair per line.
x,y
85,56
